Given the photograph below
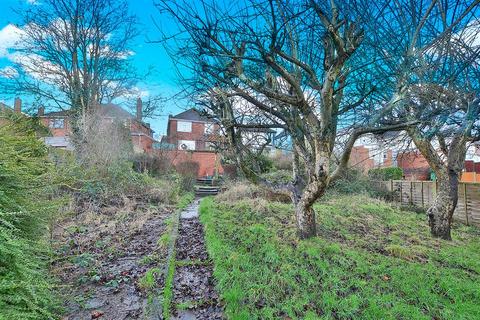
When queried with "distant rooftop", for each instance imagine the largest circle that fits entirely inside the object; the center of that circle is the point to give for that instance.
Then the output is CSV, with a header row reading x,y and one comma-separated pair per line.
x,y
109,110
192,115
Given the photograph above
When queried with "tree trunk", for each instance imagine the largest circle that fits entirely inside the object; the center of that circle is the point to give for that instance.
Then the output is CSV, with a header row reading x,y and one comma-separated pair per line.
x,y
441,212
304,213
305,216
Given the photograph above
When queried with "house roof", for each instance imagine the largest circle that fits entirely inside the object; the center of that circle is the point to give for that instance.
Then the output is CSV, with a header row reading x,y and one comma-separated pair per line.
x,y
109,110
191,115
63,113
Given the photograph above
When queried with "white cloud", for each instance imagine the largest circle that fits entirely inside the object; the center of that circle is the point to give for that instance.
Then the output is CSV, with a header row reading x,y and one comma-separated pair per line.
x,y
34,2
10,36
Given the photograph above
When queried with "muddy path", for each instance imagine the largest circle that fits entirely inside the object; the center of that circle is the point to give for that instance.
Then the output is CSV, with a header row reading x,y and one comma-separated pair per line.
x,y
194,294
107,261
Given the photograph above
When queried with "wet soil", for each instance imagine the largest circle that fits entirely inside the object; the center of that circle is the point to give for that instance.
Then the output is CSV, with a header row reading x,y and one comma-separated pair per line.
x,y
103,255
194,294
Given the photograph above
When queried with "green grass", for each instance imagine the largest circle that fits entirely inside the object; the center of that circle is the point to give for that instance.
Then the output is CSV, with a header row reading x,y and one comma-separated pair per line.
x,y
149,279
369,261
185,200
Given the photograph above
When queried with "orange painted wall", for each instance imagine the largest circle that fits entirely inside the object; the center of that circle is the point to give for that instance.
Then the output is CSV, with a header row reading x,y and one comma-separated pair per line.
x,y
470,177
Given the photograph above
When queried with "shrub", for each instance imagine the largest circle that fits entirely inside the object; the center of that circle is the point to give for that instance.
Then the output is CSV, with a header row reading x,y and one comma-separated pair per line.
x,y
352,181
98,185
391,173
188,171
258,163
282,161
25,174
158,164
279,176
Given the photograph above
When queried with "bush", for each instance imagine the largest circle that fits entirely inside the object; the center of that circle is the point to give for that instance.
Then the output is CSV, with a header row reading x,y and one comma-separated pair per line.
x,y
279,176
282,161
157,165
258,163
99,185
352,181
25,175
391,173
188,172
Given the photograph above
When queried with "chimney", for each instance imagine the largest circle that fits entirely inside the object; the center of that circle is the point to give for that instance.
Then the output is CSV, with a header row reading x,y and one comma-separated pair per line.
x,y
41,112
139,109
17,106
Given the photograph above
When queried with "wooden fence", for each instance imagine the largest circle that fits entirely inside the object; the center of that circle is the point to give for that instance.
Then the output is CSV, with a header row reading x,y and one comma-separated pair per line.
x,y
422,194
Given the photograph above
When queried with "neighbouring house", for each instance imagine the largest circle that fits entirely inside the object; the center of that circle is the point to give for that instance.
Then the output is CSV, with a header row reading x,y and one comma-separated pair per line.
x,y
414,165
190,130
191,137
387,150
59,123
373,151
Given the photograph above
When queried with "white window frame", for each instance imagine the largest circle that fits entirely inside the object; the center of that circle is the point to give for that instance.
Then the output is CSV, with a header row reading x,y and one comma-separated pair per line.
x,y
184,126
56,123
209,127
189,143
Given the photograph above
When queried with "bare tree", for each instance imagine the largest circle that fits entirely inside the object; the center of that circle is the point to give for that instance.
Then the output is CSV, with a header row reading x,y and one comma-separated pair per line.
x,y
302,69
74,55
432,51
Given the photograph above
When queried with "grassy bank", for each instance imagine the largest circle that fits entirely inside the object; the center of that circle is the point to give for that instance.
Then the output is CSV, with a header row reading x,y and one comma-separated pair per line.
x,y
369,261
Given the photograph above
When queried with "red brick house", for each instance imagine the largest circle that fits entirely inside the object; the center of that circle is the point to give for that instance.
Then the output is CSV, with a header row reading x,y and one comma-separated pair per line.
x,y
191,137
60,128
189,130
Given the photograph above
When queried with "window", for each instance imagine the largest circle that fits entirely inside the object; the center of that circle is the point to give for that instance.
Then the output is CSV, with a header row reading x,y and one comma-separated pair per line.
x,y
210,146
186,145
209,128
57,123
184,126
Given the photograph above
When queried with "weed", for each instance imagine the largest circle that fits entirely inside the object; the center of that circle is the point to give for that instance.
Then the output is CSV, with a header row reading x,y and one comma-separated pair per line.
x,y
149,279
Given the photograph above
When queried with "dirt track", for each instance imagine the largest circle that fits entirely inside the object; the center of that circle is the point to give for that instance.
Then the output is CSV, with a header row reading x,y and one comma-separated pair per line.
x,y
194,291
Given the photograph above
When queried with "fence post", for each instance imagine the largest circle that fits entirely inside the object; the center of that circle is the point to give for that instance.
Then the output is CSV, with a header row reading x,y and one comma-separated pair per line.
x,y
391,185
423,199
401,192
465,201
411,193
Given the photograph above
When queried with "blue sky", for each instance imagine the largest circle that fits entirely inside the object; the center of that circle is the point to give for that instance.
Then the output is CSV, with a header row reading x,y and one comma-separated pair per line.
x,y
147,55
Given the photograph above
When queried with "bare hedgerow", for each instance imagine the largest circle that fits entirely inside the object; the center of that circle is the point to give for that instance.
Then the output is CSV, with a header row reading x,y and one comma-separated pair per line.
x,y
105,141
243,190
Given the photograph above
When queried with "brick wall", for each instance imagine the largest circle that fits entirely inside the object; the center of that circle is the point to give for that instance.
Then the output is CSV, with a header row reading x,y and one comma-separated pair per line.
x,y
360,159
414,165
208,161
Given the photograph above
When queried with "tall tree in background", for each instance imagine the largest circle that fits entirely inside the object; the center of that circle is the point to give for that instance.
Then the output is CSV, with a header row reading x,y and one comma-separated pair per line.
x,y
74,55
301,69
431,50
